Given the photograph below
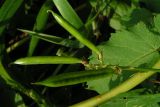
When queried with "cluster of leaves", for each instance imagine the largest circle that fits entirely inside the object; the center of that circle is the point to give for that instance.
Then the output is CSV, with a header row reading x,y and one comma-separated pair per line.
x,y
131,38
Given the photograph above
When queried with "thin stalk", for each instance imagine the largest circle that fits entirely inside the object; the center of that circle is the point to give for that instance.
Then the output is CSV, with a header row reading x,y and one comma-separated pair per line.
x,y
124,87
15,85
17,44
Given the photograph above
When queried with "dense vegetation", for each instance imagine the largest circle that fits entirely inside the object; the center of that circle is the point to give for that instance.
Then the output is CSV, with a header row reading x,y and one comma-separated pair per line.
x,y
79,53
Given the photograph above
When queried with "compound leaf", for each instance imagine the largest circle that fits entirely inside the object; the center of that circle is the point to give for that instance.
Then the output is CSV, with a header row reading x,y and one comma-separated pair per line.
x,y
137,46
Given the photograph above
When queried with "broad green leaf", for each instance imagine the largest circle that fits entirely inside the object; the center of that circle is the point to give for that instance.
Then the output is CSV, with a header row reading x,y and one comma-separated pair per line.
x,y
130,47
98,84
102,6
121,11
54,39
131,100
136,15
134,47
157,23
47,60
130,17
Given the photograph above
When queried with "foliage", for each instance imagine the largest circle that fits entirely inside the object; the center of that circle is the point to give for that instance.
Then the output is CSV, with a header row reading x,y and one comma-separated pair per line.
x,y
103,53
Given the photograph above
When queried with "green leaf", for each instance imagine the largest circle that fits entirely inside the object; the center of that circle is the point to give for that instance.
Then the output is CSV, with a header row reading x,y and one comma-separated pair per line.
x,y
7,10
40,24
130,47
54,39
124,18
137,46
68,13
134,100
100,85
157,23
136,15
19,101
72,78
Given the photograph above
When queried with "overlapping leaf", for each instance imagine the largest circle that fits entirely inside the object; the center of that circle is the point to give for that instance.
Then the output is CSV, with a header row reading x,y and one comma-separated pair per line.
x,y
134,47
132,99
130,47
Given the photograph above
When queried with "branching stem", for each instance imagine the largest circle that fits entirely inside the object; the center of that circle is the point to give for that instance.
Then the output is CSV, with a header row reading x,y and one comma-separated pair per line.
x,y
124,87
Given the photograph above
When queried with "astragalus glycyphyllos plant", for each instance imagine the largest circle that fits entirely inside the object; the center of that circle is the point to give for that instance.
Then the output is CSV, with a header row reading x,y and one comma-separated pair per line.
x,y
54,65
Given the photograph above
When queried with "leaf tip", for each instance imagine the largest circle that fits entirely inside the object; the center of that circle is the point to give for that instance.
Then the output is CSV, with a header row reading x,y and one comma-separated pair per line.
x,y
35,83
50,11
22,30
18,62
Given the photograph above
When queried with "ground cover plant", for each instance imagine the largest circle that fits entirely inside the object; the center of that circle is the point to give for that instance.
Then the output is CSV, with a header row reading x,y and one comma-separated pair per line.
x,y
89,53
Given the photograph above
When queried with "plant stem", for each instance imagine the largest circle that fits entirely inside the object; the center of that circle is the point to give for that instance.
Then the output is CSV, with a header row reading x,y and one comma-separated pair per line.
x,y
15,85
125,86
17,44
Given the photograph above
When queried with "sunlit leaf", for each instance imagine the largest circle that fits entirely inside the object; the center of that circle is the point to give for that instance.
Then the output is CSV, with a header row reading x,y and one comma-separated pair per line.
x,y
134,100
134,47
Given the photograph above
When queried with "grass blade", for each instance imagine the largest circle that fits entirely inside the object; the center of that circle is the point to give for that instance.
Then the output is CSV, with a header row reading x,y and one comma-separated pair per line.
x,y
7,10
54,39
40,24
68,13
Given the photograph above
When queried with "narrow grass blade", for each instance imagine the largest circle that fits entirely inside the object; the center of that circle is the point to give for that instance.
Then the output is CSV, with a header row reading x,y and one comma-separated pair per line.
x,y
72,78
47,60
68,13
54,39
40,24
7,10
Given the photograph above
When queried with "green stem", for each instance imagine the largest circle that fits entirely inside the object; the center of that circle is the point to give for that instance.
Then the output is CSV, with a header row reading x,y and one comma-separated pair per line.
x,y
124,87
15,85
17,44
